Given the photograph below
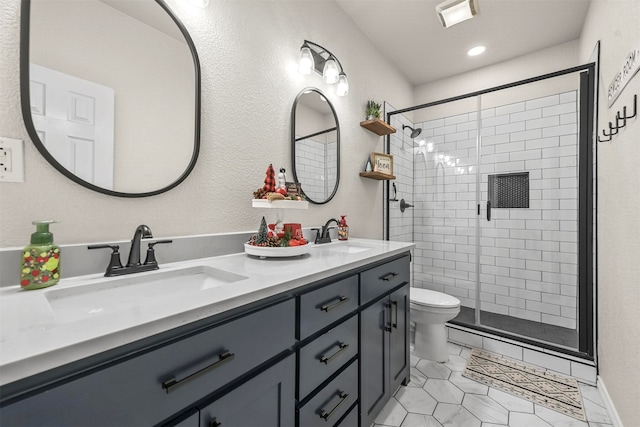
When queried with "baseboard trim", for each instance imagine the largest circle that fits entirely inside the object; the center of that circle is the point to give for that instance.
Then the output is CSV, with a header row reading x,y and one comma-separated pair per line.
x,y
606,400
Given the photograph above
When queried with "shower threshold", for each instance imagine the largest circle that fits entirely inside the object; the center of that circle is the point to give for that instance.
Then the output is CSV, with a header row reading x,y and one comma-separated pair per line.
x,y
535,330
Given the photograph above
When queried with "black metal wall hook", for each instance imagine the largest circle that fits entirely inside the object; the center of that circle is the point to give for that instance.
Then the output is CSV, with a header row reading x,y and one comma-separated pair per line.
x,y
620,117
624,119
604,140
635,109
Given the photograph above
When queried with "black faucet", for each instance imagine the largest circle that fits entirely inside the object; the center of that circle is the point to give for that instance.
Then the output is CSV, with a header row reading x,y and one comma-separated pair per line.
x,y
322,236
142,232
115,267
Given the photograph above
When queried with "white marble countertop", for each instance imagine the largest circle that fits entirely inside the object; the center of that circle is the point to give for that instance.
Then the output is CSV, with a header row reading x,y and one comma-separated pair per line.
x,y
34,339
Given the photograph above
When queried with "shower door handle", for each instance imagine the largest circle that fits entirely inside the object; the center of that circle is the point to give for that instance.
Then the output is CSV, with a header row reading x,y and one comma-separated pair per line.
x,y
488,210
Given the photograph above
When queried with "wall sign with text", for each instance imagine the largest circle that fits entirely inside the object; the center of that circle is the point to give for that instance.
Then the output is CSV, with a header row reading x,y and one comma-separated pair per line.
x,y
629,68
382,163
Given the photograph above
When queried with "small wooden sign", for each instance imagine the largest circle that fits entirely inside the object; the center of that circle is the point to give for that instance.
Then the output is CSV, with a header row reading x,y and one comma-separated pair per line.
x,y
382,163
293,188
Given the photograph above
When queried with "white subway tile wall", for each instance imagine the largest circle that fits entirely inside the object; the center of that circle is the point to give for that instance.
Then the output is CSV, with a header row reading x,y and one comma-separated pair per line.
x,y
528,256
401,223
316,167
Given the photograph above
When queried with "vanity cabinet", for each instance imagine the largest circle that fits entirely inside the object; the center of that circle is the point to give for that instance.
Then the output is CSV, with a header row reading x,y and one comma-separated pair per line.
x,y
155,383
328,353
384,335
265,400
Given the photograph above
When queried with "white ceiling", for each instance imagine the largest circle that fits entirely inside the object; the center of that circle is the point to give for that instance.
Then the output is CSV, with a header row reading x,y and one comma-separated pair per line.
x,y
409,34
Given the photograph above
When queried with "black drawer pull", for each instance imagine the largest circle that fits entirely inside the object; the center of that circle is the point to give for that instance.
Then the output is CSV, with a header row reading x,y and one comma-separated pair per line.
x,y
324,359
389,276
341,300
325,415
223,358
214,423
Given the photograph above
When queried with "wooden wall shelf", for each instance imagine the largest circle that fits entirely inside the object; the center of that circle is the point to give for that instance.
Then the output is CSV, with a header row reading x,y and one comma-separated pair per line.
x,y
377,126
377,175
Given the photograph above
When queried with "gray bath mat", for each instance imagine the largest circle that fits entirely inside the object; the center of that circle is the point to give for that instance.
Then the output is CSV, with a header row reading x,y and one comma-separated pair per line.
x,y
536,385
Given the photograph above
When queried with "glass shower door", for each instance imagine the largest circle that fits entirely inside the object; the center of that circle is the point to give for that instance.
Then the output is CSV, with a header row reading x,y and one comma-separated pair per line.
x,y
445,212
528,234
503,214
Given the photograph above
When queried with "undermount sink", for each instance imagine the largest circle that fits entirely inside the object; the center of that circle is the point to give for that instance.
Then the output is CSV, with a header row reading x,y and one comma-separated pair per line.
x,y
134,291
344,247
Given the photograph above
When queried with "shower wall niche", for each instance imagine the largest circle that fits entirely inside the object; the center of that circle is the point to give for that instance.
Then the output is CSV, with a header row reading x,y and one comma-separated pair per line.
x,y
516,265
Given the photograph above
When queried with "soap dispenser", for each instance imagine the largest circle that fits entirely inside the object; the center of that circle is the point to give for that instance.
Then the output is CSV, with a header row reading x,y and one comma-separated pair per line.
x,y
40,261
343,228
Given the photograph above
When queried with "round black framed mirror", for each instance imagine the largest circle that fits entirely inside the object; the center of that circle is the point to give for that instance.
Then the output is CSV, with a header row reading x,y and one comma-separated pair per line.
x,y
111,93
315,145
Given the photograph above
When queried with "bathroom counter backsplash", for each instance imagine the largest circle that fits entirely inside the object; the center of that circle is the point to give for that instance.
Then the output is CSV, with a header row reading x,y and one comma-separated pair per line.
x,y
34,338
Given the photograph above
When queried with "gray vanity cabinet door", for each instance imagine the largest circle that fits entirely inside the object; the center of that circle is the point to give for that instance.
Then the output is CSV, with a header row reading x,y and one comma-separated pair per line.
x,y
384,351
399,338
266,400
374,360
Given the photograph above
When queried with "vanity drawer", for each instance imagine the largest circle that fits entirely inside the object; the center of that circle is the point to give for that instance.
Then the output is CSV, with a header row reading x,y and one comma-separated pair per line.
x,y
323,306
333,401
326,354
351,420
378,280
140,391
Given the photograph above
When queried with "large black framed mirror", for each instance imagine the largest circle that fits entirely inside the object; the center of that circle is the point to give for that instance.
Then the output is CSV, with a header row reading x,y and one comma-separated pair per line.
x,y
111,93
315,145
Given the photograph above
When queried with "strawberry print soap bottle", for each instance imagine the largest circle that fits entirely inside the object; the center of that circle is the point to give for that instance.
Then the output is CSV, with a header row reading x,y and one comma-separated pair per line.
x,y
40,261
343,229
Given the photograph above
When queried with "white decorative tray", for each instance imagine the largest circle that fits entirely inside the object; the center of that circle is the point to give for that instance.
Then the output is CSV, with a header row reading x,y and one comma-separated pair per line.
x,y
268,252
280,204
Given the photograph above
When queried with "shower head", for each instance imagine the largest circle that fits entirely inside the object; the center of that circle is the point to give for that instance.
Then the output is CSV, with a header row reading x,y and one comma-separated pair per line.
x,y
414,132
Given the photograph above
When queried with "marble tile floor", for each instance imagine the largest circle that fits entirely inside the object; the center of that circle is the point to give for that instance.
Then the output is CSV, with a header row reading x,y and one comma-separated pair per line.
x,y
439,396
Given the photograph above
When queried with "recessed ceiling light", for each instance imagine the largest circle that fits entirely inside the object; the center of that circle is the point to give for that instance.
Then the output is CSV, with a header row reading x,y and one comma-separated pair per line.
x,y
474,51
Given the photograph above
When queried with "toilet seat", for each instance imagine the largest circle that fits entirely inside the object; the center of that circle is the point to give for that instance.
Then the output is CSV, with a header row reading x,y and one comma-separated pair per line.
x,y
429,298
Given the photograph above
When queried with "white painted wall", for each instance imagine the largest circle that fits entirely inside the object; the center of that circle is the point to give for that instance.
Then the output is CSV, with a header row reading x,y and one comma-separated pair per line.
x,y
248,51
616,23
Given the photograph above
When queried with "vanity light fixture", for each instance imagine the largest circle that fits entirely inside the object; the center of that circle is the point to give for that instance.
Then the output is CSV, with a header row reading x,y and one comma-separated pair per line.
x,y
452,12
315,57
306,63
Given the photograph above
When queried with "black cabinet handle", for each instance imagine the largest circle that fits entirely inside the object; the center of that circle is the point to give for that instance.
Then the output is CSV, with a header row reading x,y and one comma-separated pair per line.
x,y
488,210
342,347
325,415
214,423
395,304
388,277
223,358
387,323
341,300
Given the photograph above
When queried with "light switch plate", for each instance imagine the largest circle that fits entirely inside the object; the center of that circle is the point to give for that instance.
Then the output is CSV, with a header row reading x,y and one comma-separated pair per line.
x,y
11,160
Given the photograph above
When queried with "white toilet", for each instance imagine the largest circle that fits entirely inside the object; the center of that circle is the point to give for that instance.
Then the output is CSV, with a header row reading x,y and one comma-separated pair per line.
x,y
430,310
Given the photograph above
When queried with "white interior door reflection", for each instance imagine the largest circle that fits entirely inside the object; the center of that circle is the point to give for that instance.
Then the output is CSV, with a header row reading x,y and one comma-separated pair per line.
x,y
75,120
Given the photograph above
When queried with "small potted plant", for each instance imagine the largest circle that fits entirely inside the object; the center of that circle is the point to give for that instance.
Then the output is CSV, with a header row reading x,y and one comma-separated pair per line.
x,y
373,110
